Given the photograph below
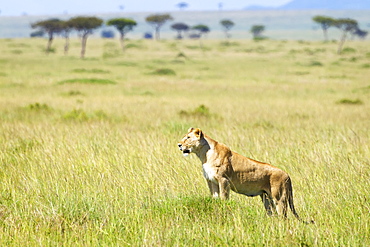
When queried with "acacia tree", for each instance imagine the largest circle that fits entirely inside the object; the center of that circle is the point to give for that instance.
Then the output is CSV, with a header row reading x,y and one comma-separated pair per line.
x,y
157,21
180,28
202,29
123,25
257,30
360,33
325,22
227,25
66,30
346,25
182,5
85,27
51,27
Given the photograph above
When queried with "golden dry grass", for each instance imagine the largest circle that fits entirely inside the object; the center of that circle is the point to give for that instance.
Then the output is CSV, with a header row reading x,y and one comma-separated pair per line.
x,y
86,162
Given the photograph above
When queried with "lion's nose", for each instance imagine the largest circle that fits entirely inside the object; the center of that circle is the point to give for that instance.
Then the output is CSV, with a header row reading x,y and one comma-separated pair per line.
x,y
179,145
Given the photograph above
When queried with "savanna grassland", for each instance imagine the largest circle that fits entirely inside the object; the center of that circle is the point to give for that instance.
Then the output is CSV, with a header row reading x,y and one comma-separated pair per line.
x,y
89,147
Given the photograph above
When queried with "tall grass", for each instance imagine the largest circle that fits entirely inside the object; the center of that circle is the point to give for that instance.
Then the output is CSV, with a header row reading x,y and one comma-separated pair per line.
x,y
97,164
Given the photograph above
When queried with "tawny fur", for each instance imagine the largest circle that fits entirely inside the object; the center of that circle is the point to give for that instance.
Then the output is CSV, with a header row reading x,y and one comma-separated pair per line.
x,y
226,170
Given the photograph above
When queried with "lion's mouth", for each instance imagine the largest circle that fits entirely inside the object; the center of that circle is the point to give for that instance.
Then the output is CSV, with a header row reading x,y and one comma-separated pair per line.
x,y
186,152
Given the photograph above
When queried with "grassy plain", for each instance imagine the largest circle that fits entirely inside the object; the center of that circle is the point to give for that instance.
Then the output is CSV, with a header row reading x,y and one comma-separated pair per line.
x,y
88,147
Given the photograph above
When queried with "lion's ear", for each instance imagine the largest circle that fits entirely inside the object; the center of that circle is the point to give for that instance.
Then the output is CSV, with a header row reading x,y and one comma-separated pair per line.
x,y
198,132
190,130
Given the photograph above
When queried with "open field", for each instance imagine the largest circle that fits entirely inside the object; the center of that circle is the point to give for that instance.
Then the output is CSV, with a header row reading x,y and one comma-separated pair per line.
x,y
88,147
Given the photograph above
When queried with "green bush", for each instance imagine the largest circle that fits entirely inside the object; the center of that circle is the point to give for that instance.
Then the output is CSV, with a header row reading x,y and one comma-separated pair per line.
x,y
350,102
163,71
348,50
73,93
315,64
94,71
200,111
39,107
81,115
88,81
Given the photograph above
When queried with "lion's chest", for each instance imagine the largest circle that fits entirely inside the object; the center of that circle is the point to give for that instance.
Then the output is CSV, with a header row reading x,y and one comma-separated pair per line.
x,y
210,172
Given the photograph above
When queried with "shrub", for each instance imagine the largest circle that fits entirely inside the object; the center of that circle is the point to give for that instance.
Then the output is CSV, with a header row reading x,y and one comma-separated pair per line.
x,y
16,52
76,114
126,64
181,55
132,45
348,50
81,115
88,81
95,71
260,38
164,71
73,93
228,43
315,64
200,111
39,107
350,102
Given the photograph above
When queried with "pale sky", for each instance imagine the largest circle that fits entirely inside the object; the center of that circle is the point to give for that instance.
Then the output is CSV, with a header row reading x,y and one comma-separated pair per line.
x,y
50,7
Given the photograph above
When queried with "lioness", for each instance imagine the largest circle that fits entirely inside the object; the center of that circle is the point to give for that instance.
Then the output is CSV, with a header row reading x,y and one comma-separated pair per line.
x,y
224,170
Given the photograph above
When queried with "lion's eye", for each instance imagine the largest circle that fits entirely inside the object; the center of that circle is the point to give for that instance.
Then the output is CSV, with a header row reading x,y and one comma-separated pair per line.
x,y
188,137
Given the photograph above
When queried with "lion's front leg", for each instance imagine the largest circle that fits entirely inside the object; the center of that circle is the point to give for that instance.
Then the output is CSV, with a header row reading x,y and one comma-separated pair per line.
x,y
214,189
224,185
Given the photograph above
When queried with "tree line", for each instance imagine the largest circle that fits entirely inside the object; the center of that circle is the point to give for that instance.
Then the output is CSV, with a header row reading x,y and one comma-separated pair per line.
x,y
86,26
345,25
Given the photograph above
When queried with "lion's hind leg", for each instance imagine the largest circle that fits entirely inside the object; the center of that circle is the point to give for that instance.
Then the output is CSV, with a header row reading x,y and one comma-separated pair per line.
x,y
268,203
281,207
280,199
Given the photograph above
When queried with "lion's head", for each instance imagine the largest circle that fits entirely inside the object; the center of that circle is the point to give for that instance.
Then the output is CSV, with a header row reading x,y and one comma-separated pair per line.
x,y
191,141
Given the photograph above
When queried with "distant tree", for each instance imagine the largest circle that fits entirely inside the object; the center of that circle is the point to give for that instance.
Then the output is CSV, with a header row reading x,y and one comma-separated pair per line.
x,y
360,33
85,26
157,21
148,35
123,25
37,33
180,28
220,6
346,25
107,34
201,29
227,25
51,27
182,5
67,28
257,31
325,22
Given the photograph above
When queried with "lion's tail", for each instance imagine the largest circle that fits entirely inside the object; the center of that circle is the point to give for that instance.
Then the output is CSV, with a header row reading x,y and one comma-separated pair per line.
x,y
290,201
